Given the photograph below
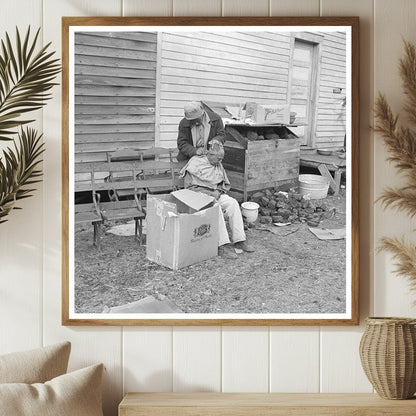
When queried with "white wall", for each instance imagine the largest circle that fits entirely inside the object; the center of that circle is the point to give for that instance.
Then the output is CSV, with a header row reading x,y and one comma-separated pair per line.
x,y
229,359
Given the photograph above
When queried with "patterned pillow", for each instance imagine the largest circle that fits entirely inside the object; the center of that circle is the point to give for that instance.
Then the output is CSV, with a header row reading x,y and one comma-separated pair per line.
x,y
73,394
35,366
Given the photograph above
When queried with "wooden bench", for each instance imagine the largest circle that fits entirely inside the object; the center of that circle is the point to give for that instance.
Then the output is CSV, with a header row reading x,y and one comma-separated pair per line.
x,y
90,213
262,404
127,184
116,210
98,212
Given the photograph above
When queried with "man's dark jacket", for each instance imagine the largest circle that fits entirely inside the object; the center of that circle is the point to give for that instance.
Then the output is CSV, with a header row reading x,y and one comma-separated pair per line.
x,y
185,143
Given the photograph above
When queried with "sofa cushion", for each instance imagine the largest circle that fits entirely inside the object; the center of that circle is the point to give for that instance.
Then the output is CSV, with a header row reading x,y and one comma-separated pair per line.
x,y
35,366
73,394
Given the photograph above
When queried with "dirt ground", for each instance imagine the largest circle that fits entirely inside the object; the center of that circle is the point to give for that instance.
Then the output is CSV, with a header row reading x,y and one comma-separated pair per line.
x,y
291,271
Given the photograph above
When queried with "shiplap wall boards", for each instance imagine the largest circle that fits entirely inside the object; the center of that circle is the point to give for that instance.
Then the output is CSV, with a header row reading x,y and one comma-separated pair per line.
x,y
261,359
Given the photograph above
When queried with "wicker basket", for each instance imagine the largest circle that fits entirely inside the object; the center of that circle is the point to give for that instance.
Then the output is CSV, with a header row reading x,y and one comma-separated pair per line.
x,y
388,356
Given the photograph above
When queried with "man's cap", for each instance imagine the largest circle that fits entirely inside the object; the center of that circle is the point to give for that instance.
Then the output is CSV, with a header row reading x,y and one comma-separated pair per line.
x,y
193,110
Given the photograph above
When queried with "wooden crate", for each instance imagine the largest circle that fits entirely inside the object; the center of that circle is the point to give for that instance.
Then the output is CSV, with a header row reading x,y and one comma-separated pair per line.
x,y
263,164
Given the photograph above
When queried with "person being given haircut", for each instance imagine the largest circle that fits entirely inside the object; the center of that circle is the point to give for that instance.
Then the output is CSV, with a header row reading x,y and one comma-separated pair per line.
x,y
206,174
197,129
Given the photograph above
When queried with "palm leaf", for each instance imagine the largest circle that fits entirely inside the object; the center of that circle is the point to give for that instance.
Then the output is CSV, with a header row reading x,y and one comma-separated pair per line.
x,y
18,170
25,79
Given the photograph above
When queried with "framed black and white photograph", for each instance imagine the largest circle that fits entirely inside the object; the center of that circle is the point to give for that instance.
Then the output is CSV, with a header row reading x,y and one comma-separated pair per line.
x,y
210,171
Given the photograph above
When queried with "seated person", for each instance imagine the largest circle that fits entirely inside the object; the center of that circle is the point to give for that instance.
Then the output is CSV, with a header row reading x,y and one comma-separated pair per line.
x,y
205,173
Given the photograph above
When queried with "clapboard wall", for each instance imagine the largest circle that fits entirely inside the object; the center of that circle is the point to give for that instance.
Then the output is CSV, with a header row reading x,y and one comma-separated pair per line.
x,y
228,67
330,120
115,92
239,67
118,91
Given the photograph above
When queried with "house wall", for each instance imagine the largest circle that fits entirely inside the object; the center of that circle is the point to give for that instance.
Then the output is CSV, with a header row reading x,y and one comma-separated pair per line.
x,y
115,94
277,359
229,68
234,68
330,113
115,79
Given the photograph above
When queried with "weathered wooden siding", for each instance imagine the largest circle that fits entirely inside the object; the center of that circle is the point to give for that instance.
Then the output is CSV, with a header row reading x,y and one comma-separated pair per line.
x,y
223,67
115,83
115,89
238,67
330,123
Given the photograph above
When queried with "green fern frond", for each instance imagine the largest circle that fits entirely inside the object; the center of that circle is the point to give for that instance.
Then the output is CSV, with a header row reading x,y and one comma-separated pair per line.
x,y
19,169
25,79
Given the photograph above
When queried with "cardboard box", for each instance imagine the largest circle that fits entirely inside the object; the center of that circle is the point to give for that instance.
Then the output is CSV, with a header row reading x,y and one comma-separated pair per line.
x,y
181,230
268,113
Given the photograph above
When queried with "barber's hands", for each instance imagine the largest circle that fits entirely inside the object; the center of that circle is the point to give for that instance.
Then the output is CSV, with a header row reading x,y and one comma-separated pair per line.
x,y
201,151
216,194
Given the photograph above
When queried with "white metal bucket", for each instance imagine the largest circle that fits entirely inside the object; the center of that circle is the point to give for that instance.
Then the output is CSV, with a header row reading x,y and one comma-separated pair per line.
x,y
250,211
316,186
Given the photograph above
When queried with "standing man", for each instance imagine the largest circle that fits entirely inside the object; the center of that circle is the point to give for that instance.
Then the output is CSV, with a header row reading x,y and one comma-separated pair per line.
x,y
198,128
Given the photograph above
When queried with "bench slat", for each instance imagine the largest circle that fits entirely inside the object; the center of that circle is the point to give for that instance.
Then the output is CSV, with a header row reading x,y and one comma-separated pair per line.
x,y
119,214
145,183
81,217
130,203
126,166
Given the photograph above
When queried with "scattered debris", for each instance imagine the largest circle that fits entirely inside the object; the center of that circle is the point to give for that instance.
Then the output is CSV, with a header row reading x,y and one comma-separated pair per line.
x,y
109,286
278,231
125,230
290,232
135,290
271,276
329,234
149,304
290,207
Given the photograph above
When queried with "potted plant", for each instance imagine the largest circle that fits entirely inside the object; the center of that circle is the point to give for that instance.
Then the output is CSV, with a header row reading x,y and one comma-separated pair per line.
x,y
26,77
388,345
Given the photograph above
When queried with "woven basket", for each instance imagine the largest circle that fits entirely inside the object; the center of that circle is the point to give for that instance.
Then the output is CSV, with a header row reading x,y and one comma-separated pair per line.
x,y
388,356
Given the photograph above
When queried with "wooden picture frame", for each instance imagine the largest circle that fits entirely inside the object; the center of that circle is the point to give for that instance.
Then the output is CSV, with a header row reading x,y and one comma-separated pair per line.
x,y
82,97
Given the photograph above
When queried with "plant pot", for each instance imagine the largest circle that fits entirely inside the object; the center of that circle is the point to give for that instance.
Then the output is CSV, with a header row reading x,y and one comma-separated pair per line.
x,y
388,356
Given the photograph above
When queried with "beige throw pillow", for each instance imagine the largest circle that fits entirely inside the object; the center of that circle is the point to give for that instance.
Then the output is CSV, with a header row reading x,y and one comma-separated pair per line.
x,y
73,394
35,366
